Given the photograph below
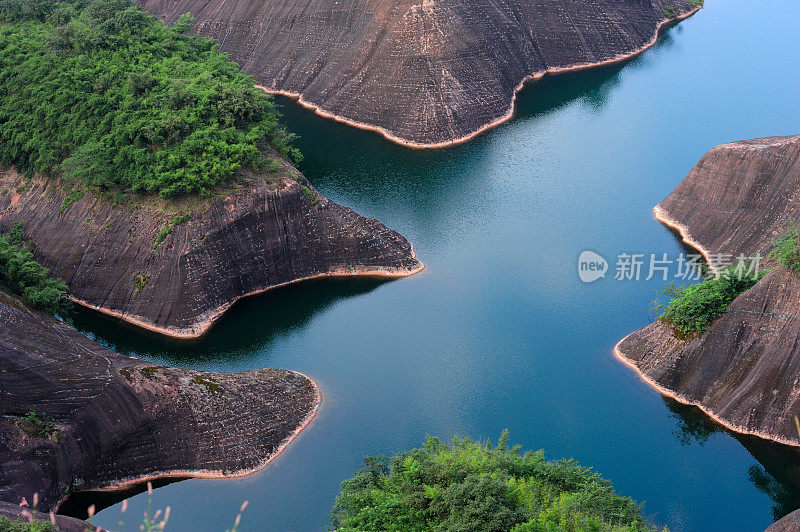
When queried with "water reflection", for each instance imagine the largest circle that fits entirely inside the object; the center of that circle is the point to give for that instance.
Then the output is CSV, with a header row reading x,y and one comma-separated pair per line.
x,y
242,334
777,476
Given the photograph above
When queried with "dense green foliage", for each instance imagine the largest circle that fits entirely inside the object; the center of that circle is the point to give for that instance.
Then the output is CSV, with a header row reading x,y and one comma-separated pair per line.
x,y
7,525
22,275
694,307
467,486
786,249
115,99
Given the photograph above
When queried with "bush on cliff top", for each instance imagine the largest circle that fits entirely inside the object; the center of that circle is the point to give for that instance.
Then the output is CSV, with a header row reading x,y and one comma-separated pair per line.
x,y
693,308
468,486
110,96
22,275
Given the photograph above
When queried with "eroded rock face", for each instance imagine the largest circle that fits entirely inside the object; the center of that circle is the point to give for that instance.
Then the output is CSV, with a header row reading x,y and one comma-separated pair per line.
x,y
422,72
118,420
259,236
744,371
739,197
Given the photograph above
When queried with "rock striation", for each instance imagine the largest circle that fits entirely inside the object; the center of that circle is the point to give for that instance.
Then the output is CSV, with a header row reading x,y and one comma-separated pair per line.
x,y
107,421
259,235
744,371
424,73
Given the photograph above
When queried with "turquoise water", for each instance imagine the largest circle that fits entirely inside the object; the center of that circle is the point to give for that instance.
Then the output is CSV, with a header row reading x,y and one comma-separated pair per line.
x,y
498,332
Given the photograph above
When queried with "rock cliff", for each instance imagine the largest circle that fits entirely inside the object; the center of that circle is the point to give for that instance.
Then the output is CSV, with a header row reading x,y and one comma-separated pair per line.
x,y
257,236
104,421
744,371
421,72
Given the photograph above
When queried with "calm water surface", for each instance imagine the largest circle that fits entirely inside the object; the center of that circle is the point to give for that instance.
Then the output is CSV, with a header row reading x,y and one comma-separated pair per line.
x,y
498,331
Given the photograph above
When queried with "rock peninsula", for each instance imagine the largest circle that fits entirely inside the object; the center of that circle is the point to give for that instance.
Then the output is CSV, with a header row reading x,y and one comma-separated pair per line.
x,y
424,73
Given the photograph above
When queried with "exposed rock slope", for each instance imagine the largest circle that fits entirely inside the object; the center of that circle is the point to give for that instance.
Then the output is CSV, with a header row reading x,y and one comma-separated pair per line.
x,y
744,371
260,236
118,420
421,72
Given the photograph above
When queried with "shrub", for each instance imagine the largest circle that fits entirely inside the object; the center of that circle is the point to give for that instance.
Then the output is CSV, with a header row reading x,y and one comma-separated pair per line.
x,y
117,100
7,525
694,307
470,486
23,276
786,248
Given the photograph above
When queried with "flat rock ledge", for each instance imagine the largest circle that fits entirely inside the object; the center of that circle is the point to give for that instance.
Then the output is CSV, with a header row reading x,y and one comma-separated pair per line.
x,y
257,236
744,371
109,422
424,73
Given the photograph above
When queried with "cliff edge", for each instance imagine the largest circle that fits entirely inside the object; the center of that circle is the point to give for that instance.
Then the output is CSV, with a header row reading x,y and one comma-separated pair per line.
x,y
175,268
744,371
425,73
75,416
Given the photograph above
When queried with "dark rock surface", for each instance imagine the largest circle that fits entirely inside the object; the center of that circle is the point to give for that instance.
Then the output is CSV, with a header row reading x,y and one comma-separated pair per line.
x,y
16,512
259,236
118,421
744,371
422,72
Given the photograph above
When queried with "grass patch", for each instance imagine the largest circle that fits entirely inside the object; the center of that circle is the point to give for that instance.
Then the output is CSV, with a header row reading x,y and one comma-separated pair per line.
x,y
208,382
4,192
786,248
179,220
468,485
312,198
693,308
73,197
7,525
36,427
140,281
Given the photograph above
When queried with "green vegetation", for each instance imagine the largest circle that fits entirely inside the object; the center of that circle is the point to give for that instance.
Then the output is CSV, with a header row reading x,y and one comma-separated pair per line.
x,y
140,281
786,248
7,525
74,196
312,198
210,384
36,427
3,192
695,3
694,307
22,275
469,486
179,220
118,101
670,11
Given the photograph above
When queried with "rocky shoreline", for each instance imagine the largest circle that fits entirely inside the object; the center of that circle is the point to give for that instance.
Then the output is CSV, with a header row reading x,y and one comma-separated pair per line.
x,y
138,263
104,421
425,75
743,370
